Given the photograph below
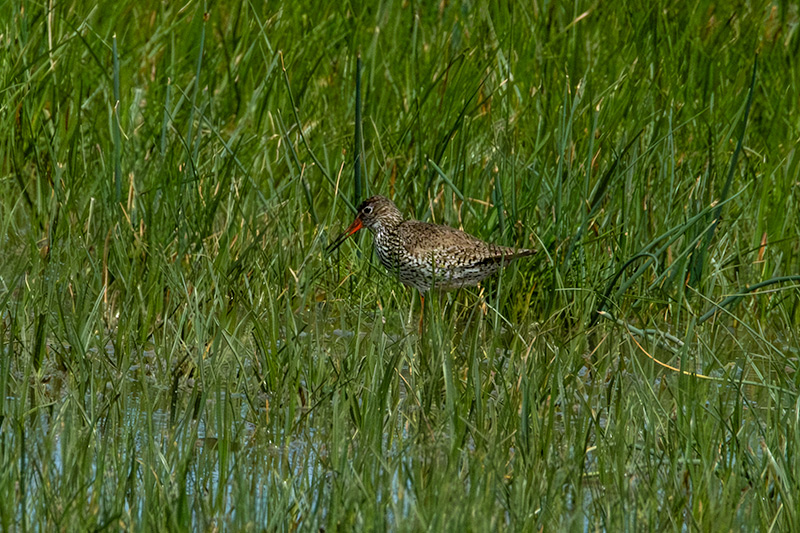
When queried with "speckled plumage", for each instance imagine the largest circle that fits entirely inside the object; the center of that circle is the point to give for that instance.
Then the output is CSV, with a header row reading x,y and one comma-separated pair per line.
x,y
424,255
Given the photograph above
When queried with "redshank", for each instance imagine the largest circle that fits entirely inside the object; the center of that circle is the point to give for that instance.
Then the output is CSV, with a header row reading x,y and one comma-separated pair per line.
x,y
424,255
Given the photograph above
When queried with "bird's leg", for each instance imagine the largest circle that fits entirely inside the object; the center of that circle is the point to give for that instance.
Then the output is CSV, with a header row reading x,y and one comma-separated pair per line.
x,y
421,310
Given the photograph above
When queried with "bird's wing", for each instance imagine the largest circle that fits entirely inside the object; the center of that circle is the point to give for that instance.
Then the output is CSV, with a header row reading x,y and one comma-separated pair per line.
x,y
445,244
423,237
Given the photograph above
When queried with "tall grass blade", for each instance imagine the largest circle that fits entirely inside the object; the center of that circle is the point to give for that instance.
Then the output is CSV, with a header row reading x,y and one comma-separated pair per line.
x,y
358,142
115,124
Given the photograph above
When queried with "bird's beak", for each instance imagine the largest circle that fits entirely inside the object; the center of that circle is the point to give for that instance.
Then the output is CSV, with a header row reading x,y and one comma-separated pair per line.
x,y
354,227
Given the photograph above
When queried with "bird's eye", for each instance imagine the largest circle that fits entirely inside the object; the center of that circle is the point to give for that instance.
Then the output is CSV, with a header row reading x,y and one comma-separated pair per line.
x,y
367,210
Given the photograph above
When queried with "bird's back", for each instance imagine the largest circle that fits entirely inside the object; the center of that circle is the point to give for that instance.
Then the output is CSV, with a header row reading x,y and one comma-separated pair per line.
x,y
424,255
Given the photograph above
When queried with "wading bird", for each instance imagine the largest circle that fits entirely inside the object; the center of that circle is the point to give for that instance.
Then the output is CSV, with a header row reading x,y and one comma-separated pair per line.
x,y
424,255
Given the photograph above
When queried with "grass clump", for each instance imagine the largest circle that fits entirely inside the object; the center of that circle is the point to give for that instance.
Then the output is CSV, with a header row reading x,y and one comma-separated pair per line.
x,y
179,352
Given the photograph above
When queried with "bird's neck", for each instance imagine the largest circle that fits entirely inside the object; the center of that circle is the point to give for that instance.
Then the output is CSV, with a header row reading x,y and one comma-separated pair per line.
x,y
387,231
384,230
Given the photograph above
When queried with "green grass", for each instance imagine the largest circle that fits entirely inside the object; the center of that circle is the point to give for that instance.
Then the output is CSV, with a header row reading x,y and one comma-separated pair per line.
x,y
178,351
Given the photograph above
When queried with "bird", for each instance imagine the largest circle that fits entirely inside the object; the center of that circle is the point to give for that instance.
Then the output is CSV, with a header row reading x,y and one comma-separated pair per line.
x,y
425,255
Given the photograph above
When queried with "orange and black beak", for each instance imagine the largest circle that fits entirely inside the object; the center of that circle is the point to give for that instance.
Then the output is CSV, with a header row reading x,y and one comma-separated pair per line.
x,y
354,227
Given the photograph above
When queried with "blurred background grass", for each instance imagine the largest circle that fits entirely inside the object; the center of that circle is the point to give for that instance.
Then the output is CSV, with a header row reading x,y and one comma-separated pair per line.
x,y
178,351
